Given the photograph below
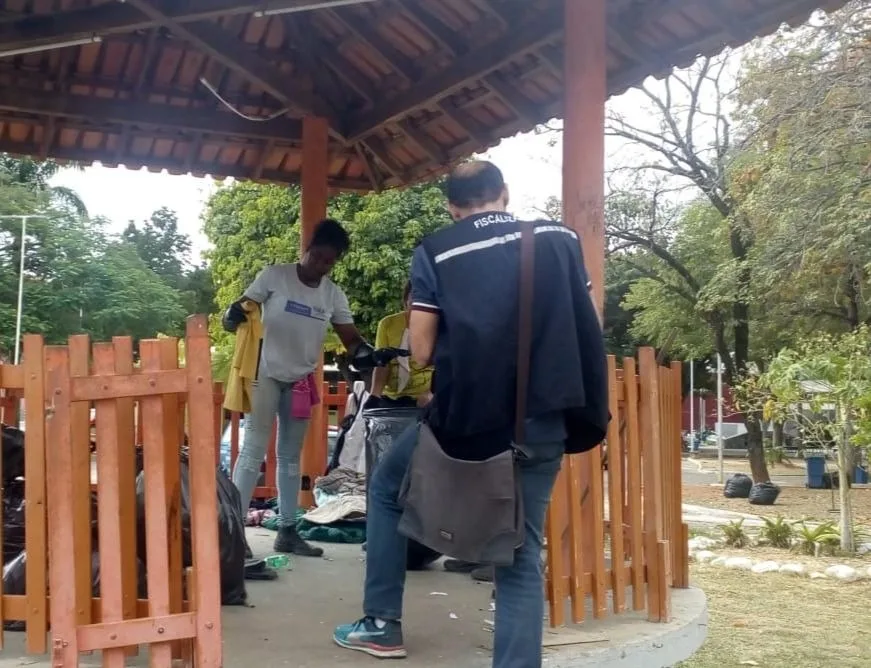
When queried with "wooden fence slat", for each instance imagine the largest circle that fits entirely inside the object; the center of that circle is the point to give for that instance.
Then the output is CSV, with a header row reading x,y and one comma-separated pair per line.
x,y
173,426
35,518
557,580
150,384
615,491
109,505
680,561
576,542
597,502
80,425
204,518
59,463
157,507
122,350
634,482
651,477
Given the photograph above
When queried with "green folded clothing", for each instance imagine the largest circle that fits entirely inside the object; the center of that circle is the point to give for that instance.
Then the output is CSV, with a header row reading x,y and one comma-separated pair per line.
x,y
337,532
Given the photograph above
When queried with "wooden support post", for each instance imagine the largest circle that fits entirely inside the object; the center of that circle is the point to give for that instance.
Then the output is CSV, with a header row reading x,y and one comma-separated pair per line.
x,y
315,192
585,76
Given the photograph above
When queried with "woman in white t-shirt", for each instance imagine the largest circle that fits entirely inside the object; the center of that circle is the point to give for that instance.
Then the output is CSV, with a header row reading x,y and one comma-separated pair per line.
x,y
297,303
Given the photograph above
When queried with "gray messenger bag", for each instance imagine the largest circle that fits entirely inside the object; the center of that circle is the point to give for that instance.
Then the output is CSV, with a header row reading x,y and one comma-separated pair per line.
x,y
466,509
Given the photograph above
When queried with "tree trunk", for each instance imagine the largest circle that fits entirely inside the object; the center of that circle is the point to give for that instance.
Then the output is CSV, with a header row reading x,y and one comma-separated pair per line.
x,y
777,434
845,461
756,448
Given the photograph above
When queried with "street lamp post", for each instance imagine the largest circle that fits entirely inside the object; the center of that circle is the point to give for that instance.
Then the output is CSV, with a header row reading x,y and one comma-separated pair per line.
x,y
19,310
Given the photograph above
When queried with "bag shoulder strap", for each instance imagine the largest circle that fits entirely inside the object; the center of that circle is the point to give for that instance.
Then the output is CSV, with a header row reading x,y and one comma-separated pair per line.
x,y
524,330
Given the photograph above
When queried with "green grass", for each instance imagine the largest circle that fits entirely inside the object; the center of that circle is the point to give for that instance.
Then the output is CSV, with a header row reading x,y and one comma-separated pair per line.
x,y
779,621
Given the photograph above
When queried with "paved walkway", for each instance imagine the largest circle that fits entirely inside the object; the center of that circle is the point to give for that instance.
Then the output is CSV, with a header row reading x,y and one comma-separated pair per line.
x,y
292,618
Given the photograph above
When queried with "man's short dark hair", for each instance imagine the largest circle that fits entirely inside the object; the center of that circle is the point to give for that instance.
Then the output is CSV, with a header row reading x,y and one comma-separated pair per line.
x,y
330,233
474,184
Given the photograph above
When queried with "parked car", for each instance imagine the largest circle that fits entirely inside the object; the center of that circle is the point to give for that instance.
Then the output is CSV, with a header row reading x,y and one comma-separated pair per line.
x,y
226,465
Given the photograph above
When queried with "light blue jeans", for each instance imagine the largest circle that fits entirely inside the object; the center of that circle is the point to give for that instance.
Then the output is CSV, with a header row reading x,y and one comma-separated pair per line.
x,y
519,588
271,398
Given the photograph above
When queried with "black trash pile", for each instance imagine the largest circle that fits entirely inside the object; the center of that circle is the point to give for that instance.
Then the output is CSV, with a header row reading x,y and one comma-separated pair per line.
x,y
231,531
738,486
231,528
764,494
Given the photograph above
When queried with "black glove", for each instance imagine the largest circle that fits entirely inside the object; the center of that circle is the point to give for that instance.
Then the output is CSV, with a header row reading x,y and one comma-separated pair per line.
x,y
372,402
384,356
234,316
366,357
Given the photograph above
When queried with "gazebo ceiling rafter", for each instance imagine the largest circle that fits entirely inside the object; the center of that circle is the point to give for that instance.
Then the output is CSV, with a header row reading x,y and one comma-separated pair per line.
x,y
407,87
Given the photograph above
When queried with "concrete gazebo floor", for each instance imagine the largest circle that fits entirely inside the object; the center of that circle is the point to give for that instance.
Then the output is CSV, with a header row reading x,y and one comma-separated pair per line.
x,y
292,618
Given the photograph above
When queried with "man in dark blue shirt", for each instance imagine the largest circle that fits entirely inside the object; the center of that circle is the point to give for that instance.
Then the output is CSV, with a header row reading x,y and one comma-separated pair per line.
x,y
464,320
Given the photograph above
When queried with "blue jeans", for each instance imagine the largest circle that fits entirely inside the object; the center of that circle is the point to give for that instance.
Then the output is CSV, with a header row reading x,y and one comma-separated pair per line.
x,y
271,398
519,588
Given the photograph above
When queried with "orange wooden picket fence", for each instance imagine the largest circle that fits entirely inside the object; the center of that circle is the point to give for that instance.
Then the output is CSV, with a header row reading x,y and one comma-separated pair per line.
x,y
633,551
635,538
179,615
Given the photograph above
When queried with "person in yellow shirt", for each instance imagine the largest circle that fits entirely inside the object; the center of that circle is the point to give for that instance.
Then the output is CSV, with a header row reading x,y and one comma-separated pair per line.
x,y
402,382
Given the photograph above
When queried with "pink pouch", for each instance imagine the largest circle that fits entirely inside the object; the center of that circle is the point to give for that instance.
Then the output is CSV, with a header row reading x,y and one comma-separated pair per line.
x,y
303,398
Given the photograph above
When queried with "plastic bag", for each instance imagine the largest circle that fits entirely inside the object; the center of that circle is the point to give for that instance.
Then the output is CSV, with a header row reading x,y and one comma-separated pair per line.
x,y
231,532
15,582
13,454
764,494
383,426
420,556
738,486
13,520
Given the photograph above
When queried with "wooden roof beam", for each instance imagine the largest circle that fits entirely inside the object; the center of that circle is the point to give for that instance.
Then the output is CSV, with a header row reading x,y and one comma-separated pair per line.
x,y
155,164
119,17
129,112
222,47
474,65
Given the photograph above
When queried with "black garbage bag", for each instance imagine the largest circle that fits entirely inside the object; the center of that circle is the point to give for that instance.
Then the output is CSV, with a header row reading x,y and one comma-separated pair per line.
x,y
764,494
13,520
15,582
738,486
231,531
13,454
420,556
832,480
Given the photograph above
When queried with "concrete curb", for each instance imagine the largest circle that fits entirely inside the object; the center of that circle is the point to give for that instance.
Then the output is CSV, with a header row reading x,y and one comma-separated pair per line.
x,y
629,640
634,643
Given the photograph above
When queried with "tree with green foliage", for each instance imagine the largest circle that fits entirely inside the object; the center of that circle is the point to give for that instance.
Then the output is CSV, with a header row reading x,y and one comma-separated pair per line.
x,y
829,374
166,251
35,175
804,177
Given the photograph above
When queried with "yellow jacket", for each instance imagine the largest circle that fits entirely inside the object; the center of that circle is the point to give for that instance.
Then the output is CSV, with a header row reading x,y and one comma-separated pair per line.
x,y
243,371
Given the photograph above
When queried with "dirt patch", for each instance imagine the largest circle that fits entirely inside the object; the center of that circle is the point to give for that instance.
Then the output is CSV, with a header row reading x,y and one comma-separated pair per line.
x,y
790,467
778,621
794,503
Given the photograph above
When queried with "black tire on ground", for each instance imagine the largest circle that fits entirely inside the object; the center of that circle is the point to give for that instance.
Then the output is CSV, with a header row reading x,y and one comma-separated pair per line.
x,y
420,556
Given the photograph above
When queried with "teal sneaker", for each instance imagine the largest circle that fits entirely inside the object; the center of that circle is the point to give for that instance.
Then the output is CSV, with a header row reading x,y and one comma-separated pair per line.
x,y
365,636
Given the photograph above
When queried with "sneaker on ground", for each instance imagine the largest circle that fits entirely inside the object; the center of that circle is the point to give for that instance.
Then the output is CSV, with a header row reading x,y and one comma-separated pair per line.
x,y
365,636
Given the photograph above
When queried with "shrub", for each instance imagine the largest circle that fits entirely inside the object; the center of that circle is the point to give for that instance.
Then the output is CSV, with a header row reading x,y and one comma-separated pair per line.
x,y
777,532
734,534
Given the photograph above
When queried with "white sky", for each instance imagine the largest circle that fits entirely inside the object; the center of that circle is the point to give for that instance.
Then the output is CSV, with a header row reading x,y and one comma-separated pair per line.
x,y
532,169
